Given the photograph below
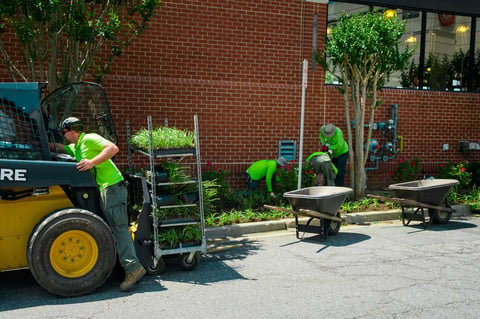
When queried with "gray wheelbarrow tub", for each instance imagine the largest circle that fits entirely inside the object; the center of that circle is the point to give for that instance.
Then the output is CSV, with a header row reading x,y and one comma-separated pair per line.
x,y
322,199
429,191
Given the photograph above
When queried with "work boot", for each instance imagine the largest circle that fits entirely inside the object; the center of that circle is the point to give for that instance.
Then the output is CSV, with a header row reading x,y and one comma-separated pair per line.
x,y
131,279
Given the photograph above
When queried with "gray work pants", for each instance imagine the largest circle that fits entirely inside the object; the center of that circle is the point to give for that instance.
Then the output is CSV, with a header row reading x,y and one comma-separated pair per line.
x,y
114,207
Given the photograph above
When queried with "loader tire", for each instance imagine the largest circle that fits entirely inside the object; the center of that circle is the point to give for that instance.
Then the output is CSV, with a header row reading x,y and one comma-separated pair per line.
x,y
71,252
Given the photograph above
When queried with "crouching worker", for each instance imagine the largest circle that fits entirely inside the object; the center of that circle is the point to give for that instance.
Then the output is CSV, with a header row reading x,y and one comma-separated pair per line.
x,y
93,152
323,168
264,170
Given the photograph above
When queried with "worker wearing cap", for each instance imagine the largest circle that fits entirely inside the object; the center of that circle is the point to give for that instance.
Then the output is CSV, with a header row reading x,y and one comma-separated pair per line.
x,y
264,169
94,153
331,138
323,167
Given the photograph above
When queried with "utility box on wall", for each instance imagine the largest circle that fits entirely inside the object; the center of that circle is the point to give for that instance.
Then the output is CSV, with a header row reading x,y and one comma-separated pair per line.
x,y
466,146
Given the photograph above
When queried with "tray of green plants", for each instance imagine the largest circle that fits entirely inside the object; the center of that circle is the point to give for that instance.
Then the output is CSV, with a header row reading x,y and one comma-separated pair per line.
x,y
170,238
165,140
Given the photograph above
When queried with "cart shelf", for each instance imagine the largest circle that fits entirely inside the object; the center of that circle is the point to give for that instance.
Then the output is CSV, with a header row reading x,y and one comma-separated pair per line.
x,y
150,224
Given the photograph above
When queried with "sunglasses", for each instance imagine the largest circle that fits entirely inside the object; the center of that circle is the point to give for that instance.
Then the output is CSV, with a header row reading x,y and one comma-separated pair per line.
x,y
65,132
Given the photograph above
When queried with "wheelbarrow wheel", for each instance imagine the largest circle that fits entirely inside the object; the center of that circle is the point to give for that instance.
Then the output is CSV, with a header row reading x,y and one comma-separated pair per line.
x,y
334,226
439,216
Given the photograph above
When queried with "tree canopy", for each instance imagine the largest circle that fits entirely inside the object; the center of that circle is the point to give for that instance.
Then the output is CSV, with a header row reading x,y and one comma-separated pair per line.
x,y
63,41
362,52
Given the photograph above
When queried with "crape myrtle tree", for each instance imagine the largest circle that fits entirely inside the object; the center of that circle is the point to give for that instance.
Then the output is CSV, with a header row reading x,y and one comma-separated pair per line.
x,y
63,41
361,53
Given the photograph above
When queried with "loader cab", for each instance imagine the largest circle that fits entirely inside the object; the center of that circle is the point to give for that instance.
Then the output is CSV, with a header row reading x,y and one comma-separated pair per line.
x,y
29,127
84,100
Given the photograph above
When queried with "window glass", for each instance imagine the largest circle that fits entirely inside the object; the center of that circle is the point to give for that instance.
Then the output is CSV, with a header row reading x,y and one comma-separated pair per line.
x,y
408,78
447,65
447,47
476,68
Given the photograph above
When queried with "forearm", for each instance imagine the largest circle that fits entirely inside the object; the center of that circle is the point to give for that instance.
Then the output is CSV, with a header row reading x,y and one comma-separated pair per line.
x,y
107,153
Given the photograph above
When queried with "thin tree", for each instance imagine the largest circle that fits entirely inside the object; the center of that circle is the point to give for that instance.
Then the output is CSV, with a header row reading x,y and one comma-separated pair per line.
x,y
361,53
64,41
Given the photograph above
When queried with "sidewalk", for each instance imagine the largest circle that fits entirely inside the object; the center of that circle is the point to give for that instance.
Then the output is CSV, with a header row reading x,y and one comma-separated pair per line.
x,y
238,230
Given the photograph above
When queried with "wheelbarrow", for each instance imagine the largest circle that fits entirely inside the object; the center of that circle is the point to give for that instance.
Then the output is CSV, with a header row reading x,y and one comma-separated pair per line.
x,y
422,200
316,202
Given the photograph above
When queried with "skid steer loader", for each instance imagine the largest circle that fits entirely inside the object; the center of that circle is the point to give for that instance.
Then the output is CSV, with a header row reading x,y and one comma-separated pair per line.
x,y
50,215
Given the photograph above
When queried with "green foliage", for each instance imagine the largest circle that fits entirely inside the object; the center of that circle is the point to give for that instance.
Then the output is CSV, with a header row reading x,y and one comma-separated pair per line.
x,y
169,236
215,180
61,40
243,216
218,175
364,46
460,172
163,138
406,170
288,176
190,233
408,76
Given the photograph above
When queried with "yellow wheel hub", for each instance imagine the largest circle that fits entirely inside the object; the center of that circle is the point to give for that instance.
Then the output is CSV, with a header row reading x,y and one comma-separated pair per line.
x,y
74,253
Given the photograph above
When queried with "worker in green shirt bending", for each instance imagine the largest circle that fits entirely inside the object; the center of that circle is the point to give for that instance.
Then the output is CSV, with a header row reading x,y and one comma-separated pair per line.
x,y
94,153
332,141
323,168
264,170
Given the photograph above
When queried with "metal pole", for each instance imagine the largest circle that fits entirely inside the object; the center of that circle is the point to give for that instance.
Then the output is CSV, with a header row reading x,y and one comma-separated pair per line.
x,y
300,153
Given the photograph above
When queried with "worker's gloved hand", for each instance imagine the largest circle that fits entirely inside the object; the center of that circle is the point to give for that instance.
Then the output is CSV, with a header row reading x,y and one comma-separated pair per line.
x,y
273,195
324,148
329,152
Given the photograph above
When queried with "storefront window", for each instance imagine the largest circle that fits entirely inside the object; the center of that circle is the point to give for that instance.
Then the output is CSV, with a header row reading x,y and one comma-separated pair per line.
x,y
442,59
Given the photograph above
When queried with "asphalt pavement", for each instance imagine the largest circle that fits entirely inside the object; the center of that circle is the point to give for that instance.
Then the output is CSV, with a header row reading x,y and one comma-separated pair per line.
x,y
378,269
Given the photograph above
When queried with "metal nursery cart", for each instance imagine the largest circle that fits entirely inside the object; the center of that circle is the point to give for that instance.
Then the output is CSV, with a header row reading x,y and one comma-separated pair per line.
x,y
317,202
422,200
150,250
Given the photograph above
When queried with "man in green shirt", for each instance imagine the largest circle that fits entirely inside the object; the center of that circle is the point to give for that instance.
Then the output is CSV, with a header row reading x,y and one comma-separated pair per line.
x,y
94,153
264,170
323,168
331,137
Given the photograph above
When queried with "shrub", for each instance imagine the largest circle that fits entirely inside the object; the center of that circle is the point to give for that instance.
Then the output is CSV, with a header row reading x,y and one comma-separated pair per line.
x,y
288,176
405,171
460,172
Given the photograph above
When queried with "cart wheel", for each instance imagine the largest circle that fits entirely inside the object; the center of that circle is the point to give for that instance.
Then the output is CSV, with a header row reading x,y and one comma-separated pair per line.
x,y
439,216
189,261
334,226
158,269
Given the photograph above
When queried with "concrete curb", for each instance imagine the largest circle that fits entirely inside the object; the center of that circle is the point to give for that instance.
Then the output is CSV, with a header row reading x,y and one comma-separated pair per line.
x,y
238,230
363,218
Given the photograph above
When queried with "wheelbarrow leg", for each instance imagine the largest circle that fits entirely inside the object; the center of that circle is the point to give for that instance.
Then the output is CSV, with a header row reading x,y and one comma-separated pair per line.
x,y
418,214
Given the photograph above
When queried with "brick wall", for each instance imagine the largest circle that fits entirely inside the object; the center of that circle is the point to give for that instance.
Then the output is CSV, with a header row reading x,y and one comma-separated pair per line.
x,y
238,66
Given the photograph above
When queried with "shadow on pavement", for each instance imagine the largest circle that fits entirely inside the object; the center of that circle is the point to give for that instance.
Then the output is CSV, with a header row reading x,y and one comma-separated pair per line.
x,y
451,225
338,240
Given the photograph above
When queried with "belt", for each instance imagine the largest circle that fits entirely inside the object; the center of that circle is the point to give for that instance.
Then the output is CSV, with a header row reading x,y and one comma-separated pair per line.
x,y
121,183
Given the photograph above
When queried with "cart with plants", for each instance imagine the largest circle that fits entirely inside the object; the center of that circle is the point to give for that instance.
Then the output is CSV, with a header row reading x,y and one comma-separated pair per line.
x,y
166,200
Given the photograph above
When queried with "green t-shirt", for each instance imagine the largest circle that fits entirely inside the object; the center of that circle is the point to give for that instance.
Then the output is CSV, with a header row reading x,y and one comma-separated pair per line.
x,y
336,142
325,157
88,146
263,169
